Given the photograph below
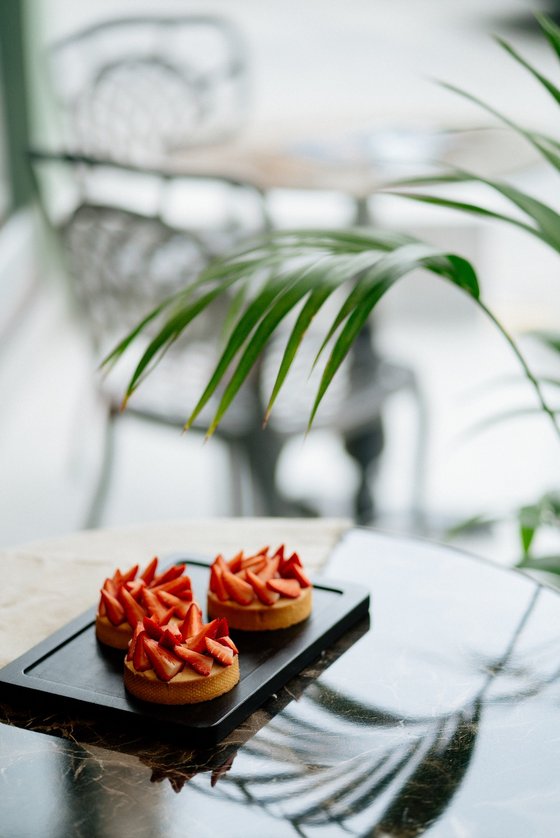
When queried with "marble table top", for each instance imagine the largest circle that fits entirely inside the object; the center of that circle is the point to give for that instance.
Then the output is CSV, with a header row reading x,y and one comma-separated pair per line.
x,y
437,715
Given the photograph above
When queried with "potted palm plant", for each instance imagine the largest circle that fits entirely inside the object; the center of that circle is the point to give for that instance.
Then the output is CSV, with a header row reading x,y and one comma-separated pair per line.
x,y
296,272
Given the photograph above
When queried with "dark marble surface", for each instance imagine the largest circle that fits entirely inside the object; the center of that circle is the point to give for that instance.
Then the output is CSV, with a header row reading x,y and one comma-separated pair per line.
x,y
440,717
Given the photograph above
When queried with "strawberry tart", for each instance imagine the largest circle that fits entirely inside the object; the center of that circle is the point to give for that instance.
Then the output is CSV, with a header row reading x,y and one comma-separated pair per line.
x,y
184,663
126,598
260,592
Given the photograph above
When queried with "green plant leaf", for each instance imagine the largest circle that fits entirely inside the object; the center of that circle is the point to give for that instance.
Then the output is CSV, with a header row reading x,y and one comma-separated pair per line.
x,y
551,31
243,328
547,338
296,289
546,83
473,524
549,564
376,283
529,520
471,209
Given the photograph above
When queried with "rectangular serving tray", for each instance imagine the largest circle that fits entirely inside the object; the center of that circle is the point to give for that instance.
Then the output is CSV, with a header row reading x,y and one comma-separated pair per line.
x,y
71,667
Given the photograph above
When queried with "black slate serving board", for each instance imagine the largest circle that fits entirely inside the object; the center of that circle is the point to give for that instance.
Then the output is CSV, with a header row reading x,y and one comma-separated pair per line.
x,y
71,667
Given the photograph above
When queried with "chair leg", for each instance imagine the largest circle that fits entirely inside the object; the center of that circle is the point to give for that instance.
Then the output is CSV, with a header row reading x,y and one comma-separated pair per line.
x,y
365,449
97,505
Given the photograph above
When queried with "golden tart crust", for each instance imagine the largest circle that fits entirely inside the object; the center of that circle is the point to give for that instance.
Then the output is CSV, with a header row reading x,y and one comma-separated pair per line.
x,y
188,687
258,617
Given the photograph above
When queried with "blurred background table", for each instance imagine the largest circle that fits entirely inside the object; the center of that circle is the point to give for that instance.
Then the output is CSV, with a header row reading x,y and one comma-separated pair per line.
x,y
437,718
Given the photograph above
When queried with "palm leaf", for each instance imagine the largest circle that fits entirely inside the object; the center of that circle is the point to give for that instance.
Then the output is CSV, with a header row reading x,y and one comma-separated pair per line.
x,y
543,144
551,31
546,83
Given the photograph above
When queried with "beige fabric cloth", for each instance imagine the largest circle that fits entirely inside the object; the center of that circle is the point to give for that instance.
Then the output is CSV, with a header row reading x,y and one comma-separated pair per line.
x,y
45,584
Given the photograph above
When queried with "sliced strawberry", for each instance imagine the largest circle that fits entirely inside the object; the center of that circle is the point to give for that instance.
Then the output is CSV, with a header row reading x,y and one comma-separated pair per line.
x,y
235,564
242,574
133,610
154,605
192,623
227,641
135,588
197,643
279,553
298,573
270,570
288,563
129,575
153,628
217,583
220,562
266,596
115,611
285,587
149,573
221,653
258,561
179,587
101,610
238,590
171,637
132,645
140,659
117,578
110,587
168,575
200,663
223,628
164,664
179,607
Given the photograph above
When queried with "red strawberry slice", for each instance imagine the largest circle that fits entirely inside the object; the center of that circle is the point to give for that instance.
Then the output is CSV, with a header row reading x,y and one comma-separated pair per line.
x,y
101,610
285,587
217,583
289,562
227,641
168,575
154,605
200,663
179,587
255,563
140,659
179,606
266,596
164,664
132,645
270,570
240,591
235,564
220,562
220,652
298,573
279,553
133,610
197,643
117,578
135,588
113,608
241,574
110,587
129,575
223,628
192,623
150,571
171,637
153,628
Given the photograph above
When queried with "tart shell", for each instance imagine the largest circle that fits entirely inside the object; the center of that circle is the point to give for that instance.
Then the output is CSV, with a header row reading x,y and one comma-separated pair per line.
x,y
116,636
188,687
258,617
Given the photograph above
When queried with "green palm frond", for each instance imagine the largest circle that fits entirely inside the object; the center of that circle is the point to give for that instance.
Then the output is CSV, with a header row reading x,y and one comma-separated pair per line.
x,y
296,272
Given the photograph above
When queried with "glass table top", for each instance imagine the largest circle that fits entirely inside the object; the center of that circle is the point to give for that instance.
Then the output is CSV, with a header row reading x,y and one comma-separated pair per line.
x,y
437,715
